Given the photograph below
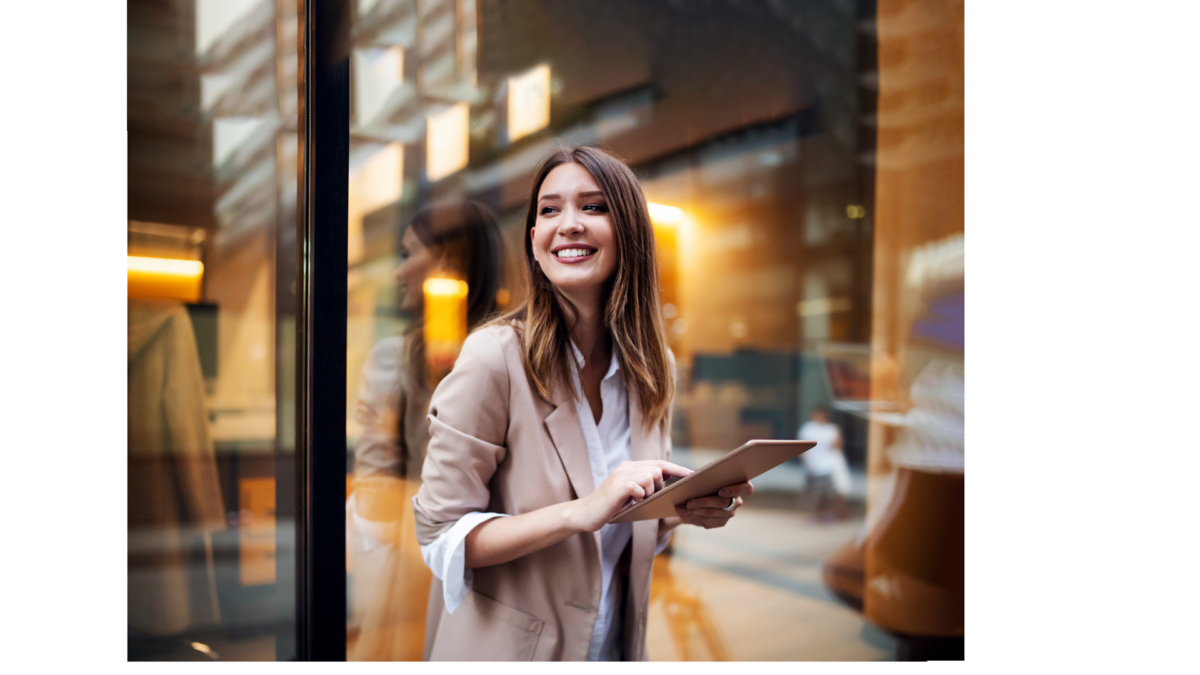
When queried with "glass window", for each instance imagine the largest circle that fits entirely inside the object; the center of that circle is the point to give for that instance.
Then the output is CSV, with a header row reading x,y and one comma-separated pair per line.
x,y
213,89
760,135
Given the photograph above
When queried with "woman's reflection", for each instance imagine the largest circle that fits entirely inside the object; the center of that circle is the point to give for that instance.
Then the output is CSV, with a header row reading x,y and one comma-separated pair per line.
x,y
457,240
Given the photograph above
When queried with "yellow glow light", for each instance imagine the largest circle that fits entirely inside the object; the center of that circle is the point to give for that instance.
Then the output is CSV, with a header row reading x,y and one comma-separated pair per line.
x,y
661,214
445,324
188,268
164,278
446,141
528,102
446,287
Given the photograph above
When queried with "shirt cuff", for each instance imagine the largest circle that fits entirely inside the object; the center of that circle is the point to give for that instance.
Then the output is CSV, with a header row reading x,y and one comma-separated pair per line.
x,y
446,558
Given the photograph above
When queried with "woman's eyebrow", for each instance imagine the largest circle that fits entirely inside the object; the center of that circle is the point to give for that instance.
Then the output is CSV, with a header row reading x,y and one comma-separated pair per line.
x,y
593,193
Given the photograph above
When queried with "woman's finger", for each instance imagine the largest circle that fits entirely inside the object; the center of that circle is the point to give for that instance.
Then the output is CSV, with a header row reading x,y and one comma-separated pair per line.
x,y
710,502
739,490
634,490
672,469
707,513
647,482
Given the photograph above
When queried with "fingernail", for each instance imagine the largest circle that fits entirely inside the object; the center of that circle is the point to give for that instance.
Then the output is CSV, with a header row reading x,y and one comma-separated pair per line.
x,y
724,493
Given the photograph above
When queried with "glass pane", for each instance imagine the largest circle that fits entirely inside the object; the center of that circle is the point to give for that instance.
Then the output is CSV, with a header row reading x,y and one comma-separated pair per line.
x,y
753,129
214,87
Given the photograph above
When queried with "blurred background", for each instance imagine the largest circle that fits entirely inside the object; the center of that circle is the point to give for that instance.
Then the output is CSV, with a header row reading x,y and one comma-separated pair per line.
x,y
804,164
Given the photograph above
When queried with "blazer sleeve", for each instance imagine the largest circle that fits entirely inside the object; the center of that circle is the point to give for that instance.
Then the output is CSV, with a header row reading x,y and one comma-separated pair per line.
x,y
468,422
380,402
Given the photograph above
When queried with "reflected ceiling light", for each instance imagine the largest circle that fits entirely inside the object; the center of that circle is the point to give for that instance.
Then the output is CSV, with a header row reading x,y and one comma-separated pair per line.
x,y
188,268
205,649
528,102
379,180
164,278
446,141
856,211
378,72
661,214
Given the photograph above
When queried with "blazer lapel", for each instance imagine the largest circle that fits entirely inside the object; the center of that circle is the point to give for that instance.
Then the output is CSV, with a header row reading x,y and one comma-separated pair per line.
x,y
563,425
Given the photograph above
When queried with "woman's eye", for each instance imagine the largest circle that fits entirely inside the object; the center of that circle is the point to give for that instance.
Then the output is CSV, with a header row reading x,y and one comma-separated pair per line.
x,y
595,207
546,210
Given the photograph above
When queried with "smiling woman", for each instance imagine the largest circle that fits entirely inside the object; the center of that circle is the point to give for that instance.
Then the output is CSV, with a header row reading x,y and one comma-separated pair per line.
x,y
585,199
554,417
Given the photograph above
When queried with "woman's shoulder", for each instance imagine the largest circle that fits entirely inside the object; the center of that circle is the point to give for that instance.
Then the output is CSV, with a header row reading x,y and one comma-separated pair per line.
x,y
388,351
494,344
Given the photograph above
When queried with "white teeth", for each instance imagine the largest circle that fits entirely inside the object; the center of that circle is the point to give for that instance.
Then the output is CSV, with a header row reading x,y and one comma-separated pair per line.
x,y
572,252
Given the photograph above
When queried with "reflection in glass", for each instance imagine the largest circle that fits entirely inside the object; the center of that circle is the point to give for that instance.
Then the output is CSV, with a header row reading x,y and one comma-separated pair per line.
x,y
752,128
450,269
213,135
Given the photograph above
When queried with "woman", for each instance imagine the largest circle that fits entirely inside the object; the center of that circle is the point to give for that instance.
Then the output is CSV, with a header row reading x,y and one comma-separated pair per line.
x,y
554,417
457,239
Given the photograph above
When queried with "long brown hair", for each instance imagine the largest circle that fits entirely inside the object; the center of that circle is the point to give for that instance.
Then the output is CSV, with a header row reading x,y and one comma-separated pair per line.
x,y
632,313
465,232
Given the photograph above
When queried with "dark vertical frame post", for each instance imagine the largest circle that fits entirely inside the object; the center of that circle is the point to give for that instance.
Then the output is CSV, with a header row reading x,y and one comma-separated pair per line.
x,y
321,441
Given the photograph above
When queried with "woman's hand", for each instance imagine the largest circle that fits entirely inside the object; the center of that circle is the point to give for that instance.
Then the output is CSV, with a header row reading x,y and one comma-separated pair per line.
x,y
709,512
636,480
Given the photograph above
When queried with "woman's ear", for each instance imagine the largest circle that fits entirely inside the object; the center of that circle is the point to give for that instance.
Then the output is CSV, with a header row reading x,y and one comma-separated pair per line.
x,y
532,248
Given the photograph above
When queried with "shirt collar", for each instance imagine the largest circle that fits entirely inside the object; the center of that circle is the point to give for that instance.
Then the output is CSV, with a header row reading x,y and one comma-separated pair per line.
x,y
614,364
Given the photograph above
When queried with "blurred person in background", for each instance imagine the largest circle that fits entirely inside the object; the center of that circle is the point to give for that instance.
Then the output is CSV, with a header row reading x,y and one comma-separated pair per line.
x,y
458,240
520,482
826,465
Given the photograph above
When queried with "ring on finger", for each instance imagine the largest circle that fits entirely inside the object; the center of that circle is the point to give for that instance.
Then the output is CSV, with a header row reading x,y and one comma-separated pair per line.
x,y
732,504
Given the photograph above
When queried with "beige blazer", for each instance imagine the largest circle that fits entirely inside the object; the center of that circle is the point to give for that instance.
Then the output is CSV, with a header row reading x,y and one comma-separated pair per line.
x,y
496,446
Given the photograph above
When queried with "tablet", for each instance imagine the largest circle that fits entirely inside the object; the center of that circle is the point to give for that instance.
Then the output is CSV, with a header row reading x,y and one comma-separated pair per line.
x,y
750,460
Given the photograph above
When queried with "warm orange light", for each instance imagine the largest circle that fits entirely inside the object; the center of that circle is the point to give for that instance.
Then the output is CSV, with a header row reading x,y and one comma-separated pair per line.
x,y
661,214
165,278
445,324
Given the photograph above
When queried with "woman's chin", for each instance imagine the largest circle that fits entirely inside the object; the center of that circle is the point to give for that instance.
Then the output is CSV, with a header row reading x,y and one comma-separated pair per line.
x,y
577,284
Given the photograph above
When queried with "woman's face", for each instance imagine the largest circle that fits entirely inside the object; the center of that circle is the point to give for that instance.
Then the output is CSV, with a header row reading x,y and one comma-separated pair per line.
x,y
416,264
573,238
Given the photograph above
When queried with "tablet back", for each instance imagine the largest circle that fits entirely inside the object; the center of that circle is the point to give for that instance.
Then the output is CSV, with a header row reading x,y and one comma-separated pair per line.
x,y
743,464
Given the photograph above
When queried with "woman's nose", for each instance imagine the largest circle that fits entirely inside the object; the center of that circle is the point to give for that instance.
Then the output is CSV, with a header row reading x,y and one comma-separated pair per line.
x,y
570,224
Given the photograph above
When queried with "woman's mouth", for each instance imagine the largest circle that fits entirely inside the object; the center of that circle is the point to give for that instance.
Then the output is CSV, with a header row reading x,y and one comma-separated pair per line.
x,y
574,254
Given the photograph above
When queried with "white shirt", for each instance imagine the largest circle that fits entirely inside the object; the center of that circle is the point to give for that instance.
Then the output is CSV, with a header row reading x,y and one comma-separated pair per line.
x,y
819,460
608,444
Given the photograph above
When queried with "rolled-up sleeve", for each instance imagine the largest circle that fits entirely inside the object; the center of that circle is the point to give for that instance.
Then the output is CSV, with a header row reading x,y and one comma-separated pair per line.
x,y
468,422
446,558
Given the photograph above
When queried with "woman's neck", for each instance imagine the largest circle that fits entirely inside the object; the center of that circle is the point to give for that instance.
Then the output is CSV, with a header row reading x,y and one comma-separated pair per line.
x,y
588,331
